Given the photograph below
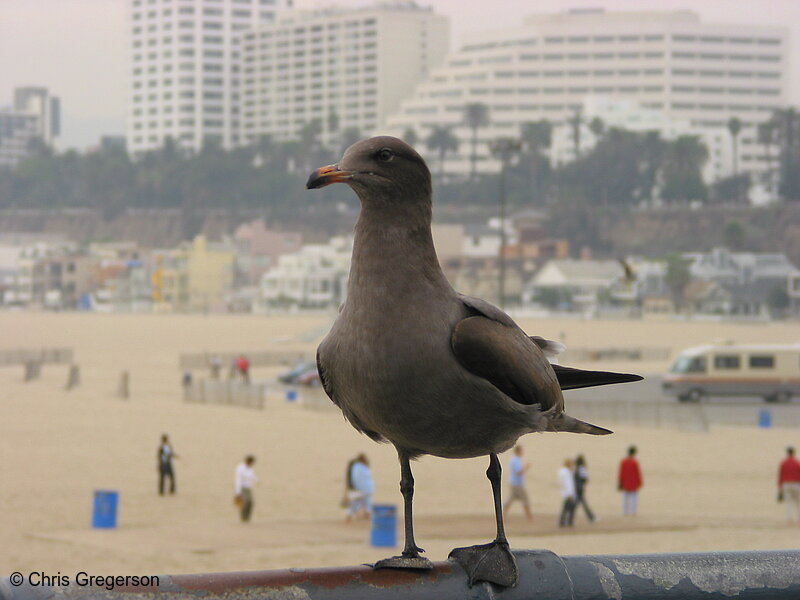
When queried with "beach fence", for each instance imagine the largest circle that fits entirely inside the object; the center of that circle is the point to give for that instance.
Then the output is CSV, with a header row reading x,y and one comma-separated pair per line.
x,y
32,359
261,358
636,353
543,575
230,392
658,414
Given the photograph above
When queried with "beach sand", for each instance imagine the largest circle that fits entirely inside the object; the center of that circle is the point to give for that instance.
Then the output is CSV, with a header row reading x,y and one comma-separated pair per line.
x,y
703,491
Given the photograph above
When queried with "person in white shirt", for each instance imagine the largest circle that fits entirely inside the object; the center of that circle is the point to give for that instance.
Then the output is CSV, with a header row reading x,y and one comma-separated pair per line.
x,y
566,485
244,482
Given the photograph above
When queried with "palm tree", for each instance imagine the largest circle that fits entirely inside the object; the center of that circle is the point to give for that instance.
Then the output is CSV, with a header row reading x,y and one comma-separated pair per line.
x,y
410,137
505,149
682,170
349,137
735,127
309,140
537,138
442,140
476,114
575,122
766,137
787,122
598,127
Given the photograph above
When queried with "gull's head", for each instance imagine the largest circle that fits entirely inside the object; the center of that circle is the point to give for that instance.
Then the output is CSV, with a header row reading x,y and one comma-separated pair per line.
x,y
381,167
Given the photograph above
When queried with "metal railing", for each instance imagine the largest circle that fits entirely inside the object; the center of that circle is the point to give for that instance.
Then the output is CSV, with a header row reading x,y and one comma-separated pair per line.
x,y
543,575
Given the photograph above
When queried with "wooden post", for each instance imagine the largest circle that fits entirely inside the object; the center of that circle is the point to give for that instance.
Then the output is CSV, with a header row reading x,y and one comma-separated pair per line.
x,y
33,370
124,385
74,377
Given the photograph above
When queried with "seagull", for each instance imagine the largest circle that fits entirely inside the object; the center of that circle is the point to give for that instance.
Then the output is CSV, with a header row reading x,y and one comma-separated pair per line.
x,y
412,362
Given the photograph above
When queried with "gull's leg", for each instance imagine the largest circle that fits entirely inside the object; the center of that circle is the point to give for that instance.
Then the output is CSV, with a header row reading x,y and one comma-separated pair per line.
x,y
492,562
410,559
494,473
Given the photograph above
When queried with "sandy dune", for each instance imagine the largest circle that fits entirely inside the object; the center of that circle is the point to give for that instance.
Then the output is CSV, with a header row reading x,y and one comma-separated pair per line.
x,y
703,491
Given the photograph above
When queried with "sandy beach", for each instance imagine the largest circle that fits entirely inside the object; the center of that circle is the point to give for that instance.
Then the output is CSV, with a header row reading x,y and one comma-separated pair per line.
x,y
703,491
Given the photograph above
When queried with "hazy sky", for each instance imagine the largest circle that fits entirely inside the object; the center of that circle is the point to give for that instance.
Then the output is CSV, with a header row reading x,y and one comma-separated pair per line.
x,y
77,48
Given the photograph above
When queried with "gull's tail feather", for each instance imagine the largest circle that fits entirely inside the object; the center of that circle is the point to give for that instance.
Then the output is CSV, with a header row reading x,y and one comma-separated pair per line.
x,y
570,378
564,422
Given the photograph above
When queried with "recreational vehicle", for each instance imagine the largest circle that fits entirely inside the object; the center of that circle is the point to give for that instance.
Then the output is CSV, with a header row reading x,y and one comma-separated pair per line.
x,y
769,371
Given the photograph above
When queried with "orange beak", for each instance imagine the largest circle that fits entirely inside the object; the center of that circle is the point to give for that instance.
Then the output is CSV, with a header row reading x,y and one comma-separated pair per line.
x,y
326,176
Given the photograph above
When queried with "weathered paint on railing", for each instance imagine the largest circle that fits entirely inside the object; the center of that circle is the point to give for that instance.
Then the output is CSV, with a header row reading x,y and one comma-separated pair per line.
x,y
760,575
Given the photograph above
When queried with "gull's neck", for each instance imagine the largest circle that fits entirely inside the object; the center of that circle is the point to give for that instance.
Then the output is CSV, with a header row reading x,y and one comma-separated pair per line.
x,y
393,253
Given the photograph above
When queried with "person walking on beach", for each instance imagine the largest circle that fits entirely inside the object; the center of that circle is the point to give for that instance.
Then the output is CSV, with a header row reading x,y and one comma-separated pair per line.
x,y
215,366
629,482
243,486
789,486
165,456
581,479
360,488
243,368
516,479
566,485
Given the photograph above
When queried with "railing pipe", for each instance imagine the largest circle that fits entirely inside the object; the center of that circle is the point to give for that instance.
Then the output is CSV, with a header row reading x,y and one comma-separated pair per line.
x,y
543,575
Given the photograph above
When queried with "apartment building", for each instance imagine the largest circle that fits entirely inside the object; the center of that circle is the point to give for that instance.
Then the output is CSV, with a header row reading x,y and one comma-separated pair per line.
x,y
695,72
184,70
344,69
34,115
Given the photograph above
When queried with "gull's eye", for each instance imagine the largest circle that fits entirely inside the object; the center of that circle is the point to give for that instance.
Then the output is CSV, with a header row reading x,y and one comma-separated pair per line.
x,y
385,155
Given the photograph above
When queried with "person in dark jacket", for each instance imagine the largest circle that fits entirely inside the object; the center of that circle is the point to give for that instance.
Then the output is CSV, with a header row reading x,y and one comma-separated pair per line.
x,y
165,456
581,479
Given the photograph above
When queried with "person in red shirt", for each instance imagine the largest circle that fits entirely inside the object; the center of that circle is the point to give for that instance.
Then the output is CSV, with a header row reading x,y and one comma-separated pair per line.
x,y
243,366
789,486
629,482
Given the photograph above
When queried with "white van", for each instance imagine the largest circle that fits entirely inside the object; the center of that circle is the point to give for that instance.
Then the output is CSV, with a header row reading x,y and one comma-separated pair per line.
x,y
771,371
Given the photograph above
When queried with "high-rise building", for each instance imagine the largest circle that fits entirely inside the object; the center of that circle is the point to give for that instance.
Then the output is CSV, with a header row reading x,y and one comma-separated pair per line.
x,y
344,69
698,73
34,116
184,70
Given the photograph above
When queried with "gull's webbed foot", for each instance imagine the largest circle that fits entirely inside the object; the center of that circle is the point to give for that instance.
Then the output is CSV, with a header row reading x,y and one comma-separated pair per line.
x,y
487,562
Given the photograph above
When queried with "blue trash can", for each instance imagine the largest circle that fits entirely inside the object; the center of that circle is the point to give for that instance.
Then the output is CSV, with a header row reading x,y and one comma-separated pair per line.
x,y
764,418
384,526
291,395
104,513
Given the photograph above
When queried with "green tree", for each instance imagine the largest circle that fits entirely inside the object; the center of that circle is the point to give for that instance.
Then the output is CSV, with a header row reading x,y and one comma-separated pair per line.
x,y
734,236
598,127
410,136
536,139
575,123
735,128
778,300
731,190
476,115
787,123
442,141
349,137
677,278
683,170
766,137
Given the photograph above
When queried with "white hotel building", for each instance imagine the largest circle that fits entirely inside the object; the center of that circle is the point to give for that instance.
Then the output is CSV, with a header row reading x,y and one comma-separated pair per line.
x,y
345,68
693,72
184,64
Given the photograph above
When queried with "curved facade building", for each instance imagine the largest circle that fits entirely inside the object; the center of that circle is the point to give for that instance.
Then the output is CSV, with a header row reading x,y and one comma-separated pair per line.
x,y
696,73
